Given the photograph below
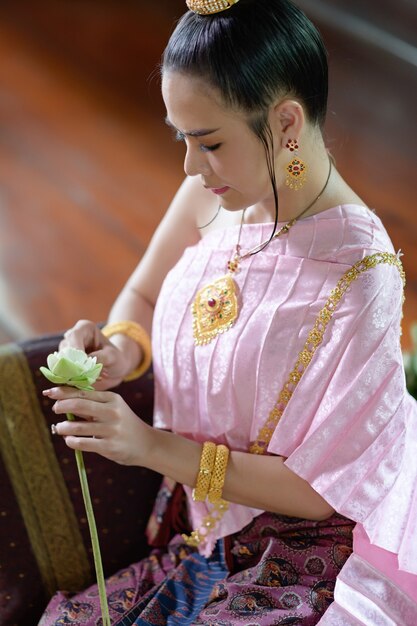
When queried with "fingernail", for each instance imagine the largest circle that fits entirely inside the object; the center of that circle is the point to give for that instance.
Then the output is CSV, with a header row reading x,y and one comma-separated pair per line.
x,y
54,407
46,392
53,429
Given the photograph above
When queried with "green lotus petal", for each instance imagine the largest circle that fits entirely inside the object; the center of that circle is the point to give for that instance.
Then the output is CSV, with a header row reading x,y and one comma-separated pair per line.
x,y
52,360
81,382
90,376
80,385
67,369
58,380
94,373
74,355
79,377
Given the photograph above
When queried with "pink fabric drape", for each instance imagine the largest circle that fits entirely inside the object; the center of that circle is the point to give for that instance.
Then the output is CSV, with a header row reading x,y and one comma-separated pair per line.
x,y
350,428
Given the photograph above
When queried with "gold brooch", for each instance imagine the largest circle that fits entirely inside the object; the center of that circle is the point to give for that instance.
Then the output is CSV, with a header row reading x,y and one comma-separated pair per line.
x,y
215,309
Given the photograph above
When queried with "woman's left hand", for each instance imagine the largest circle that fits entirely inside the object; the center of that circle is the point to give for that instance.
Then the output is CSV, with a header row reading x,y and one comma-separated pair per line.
x,y
107,425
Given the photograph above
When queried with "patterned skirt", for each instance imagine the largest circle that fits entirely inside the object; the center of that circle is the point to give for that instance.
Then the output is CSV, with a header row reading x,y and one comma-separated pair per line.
x,y
277,571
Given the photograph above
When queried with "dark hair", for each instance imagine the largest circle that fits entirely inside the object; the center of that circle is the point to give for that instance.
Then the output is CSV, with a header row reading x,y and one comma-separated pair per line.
x,y
253,53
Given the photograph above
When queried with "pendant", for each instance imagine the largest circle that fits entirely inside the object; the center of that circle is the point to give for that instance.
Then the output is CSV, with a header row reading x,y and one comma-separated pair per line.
x,y
215,309
296,174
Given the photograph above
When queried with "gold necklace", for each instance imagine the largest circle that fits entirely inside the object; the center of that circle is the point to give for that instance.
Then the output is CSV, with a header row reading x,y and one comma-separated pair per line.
x,y
215,308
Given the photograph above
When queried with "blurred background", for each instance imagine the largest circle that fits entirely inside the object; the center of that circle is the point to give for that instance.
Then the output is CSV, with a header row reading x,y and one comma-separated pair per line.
x,y
88,167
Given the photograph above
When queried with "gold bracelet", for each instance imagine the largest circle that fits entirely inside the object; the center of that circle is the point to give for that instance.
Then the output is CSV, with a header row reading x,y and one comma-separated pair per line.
x,y
219,474
208,456
216,477
136,332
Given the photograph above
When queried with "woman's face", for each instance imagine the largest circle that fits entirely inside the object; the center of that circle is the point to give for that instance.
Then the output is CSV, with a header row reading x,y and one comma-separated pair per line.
x,y
220,147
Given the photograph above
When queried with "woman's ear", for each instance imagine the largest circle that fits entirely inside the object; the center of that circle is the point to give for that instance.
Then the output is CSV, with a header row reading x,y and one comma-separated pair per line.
x,y
288,120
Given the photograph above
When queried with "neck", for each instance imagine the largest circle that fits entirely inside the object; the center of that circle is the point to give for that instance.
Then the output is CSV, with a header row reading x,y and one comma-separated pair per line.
x,y
293,203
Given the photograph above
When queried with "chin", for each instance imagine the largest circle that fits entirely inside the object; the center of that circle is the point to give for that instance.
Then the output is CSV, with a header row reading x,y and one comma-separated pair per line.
x,y
234,204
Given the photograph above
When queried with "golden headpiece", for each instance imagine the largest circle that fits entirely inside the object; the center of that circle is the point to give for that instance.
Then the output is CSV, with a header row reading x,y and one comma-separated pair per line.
x,y
208,7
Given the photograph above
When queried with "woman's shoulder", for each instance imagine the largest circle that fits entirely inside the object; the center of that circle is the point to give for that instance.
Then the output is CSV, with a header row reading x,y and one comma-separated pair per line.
x,y
339,234
363,219
344,234
337,229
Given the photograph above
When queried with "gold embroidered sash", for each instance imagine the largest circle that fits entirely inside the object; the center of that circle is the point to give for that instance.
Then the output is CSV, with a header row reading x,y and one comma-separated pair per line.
x,y
314,339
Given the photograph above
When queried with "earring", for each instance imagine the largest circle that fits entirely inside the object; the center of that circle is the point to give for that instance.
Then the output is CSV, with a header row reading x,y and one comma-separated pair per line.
x,y
296,169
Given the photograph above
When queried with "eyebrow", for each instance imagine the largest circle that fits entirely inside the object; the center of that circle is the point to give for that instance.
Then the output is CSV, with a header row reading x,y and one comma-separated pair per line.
x,y
201,132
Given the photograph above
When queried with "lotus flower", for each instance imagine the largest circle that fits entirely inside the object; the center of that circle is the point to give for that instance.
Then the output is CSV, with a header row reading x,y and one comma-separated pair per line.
x,y
72,367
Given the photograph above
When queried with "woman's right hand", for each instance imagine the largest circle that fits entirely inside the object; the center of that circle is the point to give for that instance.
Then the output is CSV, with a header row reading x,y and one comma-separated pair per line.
x,y
86,335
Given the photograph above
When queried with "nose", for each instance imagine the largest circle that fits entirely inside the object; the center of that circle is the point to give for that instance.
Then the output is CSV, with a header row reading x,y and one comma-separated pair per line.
x,y
196,162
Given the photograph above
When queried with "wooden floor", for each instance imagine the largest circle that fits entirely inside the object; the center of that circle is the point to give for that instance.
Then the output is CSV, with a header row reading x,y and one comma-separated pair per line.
x,y
87,166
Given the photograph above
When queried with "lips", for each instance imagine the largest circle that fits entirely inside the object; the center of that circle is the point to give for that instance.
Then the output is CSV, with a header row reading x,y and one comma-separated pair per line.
x,y
218,190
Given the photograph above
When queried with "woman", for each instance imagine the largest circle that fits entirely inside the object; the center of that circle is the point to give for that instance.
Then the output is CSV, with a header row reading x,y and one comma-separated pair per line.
x,y
281,405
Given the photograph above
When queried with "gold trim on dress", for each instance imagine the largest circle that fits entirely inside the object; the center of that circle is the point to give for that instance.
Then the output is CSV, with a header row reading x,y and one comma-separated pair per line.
x,y
37,480
314,339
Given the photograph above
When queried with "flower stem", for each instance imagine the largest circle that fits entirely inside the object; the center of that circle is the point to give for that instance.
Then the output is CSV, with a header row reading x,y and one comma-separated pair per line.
x,y
93,533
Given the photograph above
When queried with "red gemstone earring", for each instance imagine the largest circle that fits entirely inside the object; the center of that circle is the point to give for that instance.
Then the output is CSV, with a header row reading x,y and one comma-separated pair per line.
x,y
292,145
296,169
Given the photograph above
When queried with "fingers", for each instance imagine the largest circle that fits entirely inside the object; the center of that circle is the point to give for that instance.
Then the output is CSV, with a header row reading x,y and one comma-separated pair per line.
x,y
89,405
84,443
67,392
107,426
84,335
96,415
78,429
99,435
82,435
106,355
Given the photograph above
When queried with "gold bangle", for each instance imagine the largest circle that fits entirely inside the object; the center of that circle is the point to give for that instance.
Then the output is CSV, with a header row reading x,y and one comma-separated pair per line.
x,y
208,456
214,467
219,474
136,332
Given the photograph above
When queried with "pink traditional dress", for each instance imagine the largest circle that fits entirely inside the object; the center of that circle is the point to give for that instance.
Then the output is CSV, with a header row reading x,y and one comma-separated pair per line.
x,y
320,343
350,427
